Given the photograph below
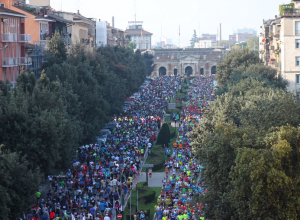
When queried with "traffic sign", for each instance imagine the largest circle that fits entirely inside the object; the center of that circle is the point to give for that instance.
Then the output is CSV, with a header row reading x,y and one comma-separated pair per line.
x,y
147,165
119,216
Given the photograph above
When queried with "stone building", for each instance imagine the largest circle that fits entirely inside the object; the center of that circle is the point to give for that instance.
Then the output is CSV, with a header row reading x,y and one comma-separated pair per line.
x,y
186,61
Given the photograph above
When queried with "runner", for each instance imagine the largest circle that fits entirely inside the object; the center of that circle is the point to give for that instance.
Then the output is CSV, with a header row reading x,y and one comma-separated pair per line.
x,y
101,171
150,172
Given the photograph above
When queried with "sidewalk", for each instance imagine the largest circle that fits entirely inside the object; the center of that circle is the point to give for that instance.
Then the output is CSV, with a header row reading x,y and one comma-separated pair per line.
x,y
155,180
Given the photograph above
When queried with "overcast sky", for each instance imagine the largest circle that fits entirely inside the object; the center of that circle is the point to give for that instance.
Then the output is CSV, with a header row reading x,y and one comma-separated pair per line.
x,y
163,17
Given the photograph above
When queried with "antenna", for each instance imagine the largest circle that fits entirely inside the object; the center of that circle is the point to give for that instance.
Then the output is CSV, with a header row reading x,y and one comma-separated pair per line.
x,y
135,12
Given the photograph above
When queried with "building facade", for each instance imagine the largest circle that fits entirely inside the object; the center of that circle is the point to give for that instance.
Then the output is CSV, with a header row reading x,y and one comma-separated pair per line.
x,y
139,36
12,46
189,61
280,44
206,44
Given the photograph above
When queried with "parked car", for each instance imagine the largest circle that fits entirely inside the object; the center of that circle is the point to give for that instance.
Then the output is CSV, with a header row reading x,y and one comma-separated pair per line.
x,y
105,131
111,125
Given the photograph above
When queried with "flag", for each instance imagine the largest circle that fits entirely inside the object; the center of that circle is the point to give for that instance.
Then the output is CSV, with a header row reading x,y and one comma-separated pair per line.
x,y
142,33
179,30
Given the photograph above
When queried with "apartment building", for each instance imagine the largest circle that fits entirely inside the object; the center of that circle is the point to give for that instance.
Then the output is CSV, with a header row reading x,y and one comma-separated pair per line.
x,y
12,40
280,44
139,36
80,29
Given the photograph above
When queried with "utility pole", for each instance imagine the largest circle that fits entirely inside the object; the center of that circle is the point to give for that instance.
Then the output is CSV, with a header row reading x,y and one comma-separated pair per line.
x,y
137,200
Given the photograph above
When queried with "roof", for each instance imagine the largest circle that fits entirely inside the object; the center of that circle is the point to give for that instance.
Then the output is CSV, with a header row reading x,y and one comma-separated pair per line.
x,y
58,18
41,18
137,32
37,17
6,11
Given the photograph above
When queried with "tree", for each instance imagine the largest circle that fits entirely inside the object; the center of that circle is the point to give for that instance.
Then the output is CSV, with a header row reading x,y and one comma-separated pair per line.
x,y
17,185
96,85
250,170
272,176
149,63
34,122
194,39
132,46
235,59
163,137
253,44
56,51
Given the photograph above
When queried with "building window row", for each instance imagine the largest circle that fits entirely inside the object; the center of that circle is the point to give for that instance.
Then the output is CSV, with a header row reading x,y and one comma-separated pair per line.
x,y
297,43
298,78
297,61
297,28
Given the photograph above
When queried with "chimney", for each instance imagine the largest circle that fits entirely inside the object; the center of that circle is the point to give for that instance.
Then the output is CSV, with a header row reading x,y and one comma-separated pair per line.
x,y
113,22
78,12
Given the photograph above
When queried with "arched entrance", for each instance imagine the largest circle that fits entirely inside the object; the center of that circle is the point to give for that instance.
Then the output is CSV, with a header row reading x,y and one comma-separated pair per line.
x,y
188,70
214,70
201,71
162,71
175,72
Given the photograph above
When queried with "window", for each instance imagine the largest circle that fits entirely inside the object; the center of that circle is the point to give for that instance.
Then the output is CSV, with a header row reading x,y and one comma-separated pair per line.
x,y
2,5
298,43
297,61
298,78
297,28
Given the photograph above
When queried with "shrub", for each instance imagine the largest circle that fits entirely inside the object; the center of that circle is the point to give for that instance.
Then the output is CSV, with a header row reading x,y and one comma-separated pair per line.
x,y
164,135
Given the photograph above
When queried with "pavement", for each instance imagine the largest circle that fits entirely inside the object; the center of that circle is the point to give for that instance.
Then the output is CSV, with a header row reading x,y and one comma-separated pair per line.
x,y
154,181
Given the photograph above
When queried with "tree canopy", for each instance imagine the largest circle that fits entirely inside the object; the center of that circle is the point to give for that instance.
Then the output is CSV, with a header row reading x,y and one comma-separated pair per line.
x,y
43,121
248,143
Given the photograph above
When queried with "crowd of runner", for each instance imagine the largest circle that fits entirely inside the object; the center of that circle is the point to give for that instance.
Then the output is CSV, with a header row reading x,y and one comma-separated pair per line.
x,y
182,184
103,173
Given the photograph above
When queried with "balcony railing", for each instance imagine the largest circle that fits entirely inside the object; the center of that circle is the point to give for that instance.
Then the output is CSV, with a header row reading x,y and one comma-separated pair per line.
x,y
9,37
43,44
9,62
25,61
288,11
24,38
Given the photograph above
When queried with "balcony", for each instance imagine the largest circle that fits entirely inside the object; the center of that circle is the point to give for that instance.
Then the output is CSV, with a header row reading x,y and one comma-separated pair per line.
x,y
9,37
25,61
288,10
9,62
24,38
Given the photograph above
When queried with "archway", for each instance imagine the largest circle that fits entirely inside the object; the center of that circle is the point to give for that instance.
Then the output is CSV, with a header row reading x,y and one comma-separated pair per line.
x,y
189,70
175,72
214,70
162,71
201,71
